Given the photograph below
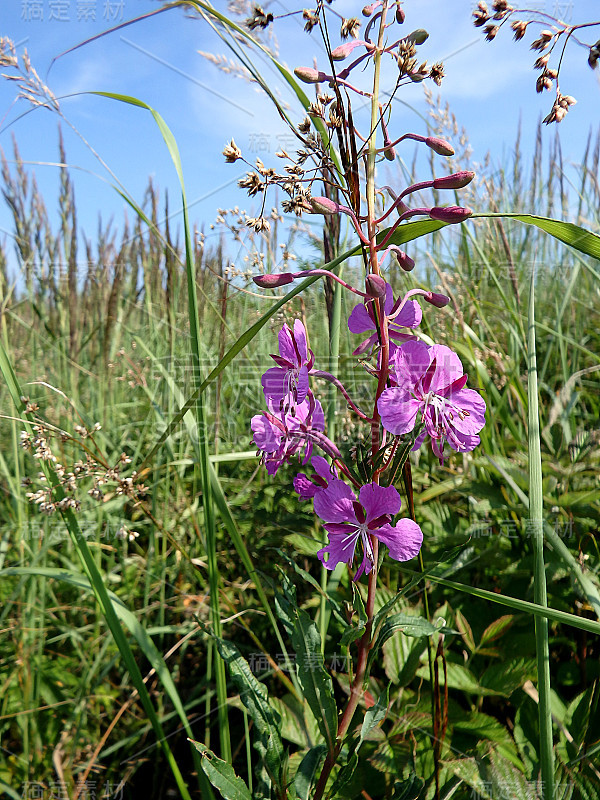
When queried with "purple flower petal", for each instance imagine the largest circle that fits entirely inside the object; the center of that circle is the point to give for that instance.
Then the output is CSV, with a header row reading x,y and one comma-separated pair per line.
x,y
379,500
410,316
471,401
266,436
302,384
359,320
305,487
274,383
398,410
410,363
323,469
334,504
448,367
286,345
340,548
403,540
301,344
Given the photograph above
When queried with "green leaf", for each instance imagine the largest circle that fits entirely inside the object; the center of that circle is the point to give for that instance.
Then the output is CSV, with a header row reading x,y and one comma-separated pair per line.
x,y
315,680
518,605
483,726
343,778
407,624
307,771
254,696
459,677
222,775
508,676
409,789
465,630
402,658
575,236
375,715
496,628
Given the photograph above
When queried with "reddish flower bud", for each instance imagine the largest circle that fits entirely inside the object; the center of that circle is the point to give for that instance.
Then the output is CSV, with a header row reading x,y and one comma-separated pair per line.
x,y
400,15
375,286
368,10
344,50
456,181
323,205
450,214
310,75
439,146
437,300
274,280
404,261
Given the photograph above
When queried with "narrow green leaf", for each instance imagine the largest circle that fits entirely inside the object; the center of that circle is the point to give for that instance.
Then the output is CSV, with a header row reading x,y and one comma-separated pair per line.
x,y
254,696
222,775
307,771
315,680
374,716
574,235
496,628
536,520
343,778
519,605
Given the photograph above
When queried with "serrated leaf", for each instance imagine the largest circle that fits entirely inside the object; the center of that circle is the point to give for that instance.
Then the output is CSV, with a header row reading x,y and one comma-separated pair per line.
x,y
459,677
483,727
222,775
313,677
508,676
307,771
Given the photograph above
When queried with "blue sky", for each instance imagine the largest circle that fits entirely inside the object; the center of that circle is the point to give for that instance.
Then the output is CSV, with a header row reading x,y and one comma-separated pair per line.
x,y
488,86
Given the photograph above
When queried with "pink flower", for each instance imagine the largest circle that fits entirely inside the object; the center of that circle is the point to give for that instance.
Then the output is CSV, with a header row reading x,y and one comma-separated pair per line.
x,y
362,319
279,435
287,383
347,520
431,380
307,487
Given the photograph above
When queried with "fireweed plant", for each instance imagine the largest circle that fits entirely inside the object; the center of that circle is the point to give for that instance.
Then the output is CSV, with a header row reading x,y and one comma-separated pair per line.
x,y
421,394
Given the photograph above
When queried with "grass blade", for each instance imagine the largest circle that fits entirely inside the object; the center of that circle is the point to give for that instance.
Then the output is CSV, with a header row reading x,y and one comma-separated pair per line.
x,y
536,510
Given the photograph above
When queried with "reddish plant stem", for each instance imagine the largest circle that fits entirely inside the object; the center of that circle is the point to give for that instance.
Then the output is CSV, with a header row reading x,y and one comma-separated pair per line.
x,y
365,643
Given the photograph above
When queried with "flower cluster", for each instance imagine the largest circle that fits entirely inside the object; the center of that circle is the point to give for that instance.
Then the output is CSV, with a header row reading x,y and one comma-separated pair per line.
x,y
421,392
426,397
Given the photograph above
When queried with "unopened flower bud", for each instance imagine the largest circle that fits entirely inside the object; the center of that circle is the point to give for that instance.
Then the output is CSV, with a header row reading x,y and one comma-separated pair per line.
x,y
404,261
274,280
323,205
439,146
344,50
457,181
418,37
375,286
310,75
368,10
450,214
437,300
400,15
